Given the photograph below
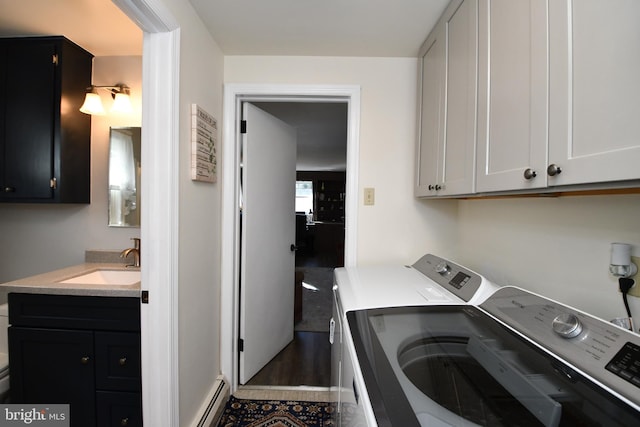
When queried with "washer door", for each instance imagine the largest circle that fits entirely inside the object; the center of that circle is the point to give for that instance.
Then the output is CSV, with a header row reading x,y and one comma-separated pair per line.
x,y
443,369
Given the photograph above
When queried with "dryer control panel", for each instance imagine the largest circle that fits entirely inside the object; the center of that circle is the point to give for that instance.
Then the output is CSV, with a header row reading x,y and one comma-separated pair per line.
x,y
598,348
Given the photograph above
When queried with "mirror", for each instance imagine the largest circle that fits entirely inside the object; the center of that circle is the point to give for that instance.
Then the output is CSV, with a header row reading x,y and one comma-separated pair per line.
x,y
124,177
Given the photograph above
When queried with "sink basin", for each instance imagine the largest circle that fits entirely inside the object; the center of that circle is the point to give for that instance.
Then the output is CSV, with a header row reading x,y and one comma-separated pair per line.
x,y
106,277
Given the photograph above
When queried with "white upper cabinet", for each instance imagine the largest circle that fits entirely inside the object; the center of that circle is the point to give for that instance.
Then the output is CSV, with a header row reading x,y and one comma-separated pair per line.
x,y
512,95
448,81
594,133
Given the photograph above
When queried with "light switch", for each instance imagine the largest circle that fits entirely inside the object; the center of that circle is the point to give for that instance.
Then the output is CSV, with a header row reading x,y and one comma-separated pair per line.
x,y
369,196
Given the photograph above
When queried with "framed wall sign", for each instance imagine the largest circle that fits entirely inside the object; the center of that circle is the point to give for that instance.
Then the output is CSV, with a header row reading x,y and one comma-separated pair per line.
x,y
204,141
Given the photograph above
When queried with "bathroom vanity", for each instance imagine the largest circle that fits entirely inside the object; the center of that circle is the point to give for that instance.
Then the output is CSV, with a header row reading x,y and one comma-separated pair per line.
x,y
78,343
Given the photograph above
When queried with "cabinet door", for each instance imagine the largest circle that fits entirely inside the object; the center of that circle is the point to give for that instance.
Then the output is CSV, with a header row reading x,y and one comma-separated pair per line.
x,y
513,101
431,134
27,140
446,150
595,90
456,171
54,366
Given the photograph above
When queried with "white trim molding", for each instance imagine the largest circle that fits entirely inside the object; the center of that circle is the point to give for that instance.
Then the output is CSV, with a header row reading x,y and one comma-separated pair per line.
x,y
159,225
234,94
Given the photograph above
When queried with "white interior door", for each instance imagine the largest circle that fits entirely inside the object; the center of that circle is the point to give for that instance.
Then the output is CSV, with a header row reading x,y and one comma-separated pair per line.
x,y
268,231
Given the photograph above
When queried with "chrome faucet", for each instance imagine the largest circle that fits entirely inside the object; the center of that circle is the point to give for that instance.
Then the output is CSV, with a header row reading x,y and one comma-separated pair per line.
x,y
135,250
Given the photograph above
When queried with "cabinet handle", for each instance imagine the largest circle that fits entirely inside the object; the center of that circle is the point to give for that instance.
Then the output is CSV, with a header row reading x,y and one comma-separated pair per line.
x,y
122,361
124,422
9,189
84,360
529,173
553,170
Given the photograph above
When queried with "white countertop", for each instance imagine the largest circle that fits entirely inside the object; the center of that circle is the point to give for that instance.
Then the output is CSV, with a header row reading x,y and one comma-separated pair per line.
x,y
49,283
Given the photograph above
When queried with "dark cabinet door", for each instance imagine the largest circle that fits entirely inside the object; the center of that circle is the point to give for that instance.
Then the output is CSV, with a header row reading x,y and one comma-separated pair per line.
x,y
45,141
29,98
54,366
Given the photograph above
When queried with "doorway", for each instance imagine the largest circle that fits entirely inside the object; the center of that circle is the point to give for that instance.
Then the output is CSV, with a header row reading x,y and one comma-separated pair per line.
x,y
234,96
319,239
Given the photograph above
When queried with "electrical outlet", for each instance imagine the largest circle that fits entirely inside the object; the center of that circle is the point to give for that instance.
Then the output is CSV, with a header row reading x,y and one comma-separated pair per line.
x,y
635,291
369,196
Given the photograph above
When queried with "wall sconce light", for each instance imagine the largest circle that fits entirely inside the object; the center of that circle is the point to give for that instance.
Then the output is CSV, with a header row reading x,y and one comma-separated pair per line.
x,y
121,100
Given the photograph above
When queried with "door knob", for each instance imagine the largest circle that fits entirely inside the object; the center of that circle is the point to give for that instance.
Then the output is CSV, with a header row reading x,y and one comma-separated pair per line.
x,y
553,170
529,173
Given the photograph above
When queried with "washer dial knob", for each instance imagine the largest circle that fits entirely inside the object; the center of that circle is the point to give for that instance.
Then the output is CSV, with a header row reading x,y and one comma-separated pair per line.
x,y
443,268
567,325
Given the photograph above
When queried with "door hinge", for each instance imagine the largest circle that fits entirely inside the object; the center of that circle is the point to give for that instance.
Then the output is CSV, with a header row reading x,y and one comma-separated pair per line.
x,y
54,59
144,297
243,126
240,344
53,183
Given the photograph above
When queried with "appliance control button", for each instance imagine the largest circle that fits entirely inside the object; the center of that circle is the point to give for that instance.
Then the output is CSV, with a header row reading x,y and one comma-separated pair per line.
x,y
567,325
443,268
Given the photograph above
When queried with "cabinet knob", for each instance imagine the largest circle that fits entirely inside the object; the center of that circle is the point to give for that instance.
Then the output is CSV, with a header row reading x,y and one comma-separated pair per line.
x,y
84,360
529,173
122,361
438,187
553,170
9,189
124,422
431,187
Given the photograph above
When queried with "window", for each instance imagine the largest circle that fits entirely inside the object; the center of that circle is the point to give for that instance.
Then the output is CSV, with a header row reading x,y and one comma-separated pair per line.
x,y
304,196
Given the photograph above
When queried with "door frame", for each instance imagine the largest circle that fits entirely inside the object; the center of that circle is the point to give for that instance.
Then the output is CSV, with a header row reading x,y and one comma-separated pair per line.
x,y
234,95
159,223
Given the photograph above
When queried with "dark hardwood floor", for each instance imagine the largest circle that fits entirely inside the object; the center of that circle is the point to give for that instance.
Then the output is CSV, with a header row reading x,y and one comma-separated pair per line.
x,y
305,361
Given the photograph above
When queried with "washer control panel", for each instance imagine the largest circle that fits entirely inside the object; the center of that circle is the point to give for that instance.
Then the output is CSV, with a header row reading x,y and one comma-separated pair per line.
x,y
600,349
626,363
456,279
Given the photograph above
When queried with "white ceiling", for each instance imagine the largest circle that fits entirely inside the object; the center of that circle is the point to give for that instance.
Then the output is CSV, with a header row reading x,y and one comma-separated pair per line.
x,y
376,28
387,28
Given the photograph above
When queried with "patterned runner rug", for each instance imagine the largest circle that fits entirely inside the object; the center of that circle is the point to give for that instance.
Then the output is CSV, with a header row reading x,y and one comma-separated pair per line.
x,y
275,413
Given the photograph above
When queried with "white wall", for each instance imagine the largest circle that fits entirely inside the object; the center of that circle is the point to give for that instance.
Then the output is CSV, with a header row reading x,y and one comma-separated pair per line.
x,y
39,238
201,69
398,228
558,247
555,246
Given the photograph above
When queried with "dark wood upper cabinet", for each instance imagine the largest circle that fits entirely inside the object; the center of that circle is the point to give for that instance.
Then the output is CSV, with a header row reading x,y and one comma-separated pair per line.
x,y
45,141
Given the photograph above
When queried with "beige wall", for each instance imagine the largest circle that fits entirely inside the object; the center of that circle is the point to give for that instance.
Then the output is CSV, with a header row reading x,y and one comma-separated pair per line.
x,y
40,238
201,70
398,228
558,247
555,246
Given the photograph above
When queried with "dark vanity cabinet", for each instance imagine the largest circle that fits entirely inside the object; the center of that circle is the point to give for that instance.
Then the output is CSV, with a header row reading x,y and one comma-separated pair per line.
x,y
80,350
45,141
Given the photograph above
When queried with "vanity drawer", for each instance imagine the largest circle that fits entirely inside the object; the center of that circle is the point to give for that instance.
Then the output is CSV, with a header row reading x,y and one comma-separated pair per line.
x,y
117,361
118,409
74,312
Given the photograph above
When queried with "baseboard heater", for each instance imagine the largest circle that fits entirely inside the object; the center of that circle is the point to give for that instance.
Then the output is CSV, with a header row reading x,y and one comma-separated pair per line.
x,y
214,405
